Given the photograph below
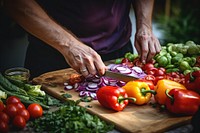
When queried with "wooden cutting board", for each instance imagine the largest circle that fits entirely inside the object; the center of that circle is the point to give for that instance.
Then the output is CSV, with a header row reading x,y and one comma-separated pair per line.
x,y
133,118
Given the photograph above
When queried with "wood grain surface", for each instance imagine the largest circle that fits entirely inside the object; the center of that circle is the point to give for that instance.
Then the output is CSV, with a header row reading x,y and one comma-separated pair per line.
x,y
133,119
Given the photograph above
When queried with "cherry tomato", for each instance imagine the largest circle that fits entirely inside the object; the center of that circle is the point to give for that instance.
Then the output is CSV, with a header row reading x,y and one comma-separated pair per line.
x,y
175,75
125,60
12,99
149,77
162,69
2,106
147,66
4,117
19,121
150,72
169,77
24,113
19,105
35,110
3,127
129,64
159,72
11,110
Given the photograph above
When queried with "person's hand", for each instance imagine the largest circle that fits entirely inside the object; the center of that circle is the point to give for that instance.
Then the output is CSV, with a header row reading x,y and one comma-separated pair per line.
x,y
146,44
84,59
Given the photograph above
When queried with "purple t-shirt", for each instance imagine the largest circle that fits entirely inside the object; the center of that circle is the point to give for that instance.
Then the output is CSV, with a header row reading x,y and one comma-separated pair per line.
x,y
104,25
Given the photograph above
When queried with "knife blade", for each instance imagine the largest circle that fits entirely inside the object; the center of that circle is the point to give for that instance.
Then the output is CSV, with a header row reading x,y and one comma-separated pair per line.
x,y
119,76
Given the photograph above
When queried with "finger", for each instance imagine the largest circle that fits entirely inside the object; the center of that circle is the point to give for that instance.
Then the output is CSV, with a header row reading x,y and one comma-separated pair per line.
x,y
152,51
158,46
84,71
100,66
89,62
137,47
145,48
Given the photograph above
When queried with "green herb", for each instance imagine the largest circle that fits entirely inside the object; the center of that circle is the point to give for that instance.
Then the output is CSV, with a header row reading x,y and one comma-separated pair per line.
x,y
67,95
86,99
70,118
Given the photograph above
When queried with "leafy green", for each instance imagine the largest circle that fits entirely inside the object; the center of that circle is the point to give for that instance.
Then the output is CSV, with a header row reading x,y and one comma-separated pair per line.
x,y
70,118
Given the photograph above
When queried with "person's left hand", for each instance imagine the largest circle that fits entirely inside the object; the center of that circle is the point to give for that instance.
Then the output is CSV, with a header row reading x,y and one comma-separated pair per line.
x,y
146,44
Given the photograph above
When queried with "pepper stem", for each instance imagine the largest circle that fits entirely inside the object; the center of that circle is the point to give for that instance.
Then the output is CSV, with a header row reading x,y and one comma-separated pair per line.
x,y
191,77
121,99
144,91
170,97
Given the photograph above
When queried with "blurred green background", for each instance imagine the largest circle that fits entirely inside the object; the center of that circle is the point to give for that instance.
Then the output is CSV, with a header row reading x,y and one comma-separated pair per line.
x,y
179,20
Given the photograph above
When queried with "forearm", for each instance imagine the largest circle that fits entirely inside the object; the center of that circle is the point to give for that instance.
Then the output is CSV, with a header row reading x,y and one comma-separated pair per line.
x,y
143,12
35,20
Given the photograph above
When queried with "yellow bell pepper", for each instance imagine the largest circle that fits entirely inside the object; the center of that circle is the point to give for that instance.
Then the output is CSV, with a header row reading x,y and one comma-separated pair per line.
x,y
138,90
161,87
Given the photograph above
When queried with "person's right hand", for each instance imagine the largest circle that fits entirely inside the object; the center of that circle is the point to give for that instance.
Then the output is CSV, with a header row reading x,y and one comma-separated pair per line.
x,y
83,59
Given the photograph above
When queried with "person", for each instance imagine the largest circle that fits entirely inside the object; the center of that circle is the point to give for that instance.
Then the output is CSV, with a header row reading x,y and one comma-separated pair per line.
x,y
82,34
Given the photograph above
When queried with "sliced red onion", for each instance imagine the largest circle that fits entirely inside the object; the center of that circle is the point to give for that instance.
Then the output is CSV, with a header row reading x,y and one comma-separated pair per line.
x,y
105,80
90,85
76,85
66,83
93,95
126,71
81,88
84,93
121,83
92,89
68,87
137,69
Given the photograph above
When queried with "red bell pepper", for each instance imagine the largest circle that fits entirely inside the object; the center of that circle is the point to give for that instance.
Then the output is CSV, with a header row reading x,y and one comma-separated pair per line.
x,y
113,97
192,81
182,102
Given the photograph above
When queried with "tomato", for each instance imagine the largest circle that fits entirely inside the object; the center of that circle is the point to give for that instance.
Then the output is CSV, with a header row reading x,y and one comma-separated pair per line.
x,y
2,106
3,127
175,74
147,66
4,117
24,113
11,110
125,60
149,77
19,122
159,72
129,64
19,105
162,69
137,62
35,110
151,72
12,99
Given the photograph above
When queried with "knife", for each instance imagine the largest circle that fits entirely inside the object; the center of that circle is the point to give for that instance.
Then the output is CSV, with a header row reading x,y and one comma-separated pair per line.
x,y
119,76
